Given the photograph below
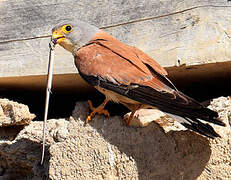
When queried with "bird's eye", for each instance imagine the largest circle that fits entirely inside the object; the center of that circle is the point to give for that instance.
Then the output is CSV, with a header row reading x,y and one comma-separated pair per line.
x,y
67,28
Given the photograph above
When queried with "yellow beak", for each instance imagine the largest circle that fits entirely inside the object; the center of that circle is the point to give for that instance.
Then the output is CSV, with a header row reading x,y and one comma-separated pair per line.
x,y
57,36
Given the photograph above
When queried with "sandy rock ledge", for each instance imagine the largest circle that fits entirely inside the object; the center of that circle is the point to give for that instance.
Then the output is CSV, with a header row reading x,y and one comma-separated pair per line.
x,y
107,149
13,113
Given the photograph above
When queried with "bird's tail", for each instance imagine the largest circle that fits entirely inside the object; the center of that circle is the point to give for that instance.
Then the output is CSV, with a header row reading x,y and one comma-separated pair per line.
x,y
197,125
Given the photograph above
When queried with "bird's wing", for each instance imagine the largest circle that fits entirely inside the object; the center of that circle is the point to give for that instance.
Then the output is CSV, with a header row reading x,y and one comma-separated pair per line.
x,y
132,54
112,60
110,64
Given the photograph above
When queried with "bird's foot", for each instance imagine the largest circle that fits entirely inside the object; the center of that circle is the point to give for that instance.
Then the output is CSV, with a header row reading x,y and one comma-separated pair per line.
x,y
99,110
129,118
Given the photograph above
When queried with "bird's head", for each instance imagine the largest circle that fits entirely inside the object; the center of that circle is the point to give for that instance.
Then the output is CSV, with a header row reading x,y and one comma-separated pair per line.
x,y
73,35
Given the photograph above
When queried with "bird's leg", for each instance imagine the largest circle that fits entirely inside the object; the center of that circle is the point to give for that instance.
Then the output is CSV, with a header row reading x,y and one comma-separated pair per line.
x,y
130,118
99,110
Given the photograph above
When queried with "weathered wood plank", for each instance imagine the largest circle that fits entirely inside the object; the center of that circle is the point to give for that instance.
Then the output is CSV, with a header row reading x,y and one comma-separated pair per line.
x,y
30,57
172,32
34,18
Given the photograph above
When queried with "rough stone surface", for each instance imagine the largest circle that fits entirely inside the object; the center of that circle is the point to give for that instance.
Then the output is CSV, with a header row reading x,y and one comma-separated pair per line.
x,y
143,117
219,164
13,113
107,149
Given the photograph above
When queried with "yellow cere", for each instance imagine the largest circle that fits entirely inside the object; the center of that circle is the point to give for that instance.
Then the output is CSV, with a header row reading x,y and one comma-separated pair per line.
x,y
67,28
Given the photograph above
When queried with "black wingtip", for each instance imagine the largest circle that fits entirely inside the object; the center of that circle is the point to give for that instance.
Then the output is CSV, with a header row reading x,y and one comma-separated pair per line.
x,y
211,116
201,128
219,122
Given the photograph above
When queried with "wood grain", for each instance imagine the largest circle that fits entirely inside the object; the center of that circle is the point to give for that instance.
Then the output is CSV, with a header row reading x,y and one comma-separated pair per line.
x,y
172,32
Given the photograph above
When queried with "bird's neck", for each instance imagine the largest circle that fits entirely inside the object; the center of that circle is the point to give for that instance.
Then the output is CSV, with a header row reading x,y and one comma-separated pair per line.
x,y
99,35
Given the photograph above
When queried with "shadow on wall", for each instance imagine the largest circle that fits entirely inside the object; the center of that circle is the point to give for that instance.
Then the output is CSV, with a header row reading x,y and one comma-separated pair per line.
x,y
153,153
17,163
158,155
175,155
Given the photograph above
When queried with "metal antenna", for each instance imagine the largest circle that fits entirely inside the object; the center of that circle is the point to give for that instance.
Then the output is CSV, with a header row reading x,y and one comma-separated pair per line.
x,y
48,91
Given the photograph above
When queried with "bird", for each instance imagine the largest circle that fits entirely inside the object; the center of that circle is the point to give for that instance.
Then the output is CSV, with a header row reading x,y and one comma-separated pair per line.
x,y
126,75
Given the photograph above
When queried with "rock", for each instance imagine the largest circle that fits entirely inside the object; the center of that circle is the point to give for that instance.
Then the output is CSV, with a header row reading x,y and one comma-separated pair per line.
x,y
107,149
144,117
13,113
219,164
21,157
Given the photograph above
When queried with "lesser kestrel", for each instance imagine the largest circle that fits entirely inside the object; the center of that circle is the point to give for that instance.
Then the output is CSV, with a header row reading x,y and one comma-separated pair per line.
x,y
126,75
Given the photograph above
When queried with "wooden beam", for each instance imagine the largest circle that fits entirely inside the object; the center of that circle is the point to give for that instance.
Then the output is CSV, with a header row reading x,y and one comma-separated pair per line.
x,y
172,32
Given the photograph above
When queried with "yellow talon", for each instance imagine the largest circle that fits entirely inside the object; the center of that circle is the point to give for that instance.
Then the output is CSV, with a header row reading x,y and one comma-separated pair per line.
x,y
88,119
127,121
99,110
